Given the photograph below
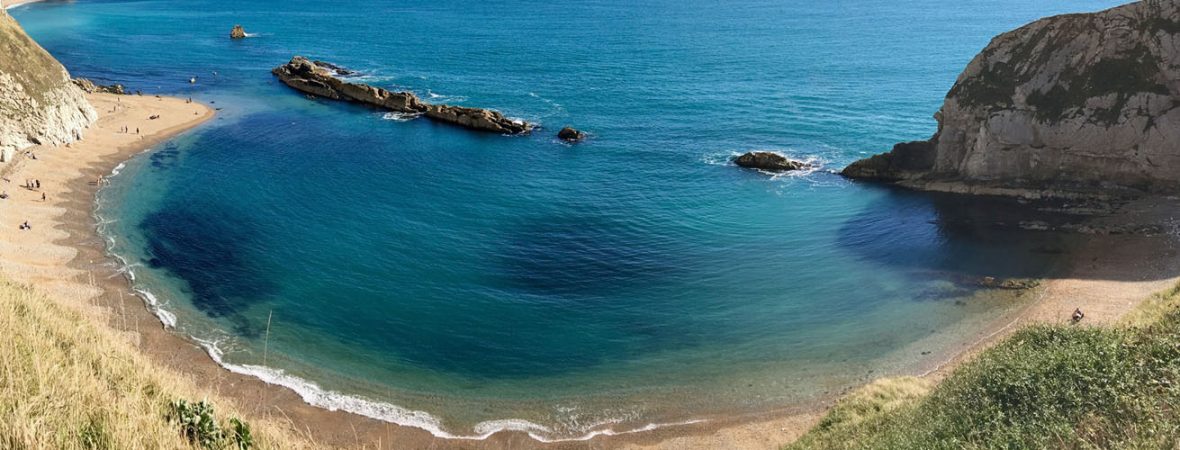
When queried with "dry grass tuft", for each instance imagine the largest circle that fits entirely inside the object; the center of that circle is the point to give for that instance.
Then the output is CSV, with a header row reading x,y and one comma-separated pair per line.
x,y
67,383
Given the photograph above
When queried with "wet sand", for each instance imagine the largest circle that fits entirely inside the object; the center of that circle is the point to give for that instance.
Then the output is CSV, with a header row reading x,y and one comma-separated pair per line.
x,y
63,256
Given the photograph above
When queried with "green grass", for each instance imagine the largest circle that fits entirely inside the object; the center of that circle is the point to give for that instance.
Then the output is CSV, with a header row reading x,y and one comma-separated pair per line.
x,y
1043,387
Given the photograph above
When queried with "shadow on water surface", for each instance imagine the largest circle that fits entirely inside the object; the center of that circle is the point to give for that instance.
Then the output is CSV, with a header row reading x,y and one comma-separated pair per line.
x,y
966,238
222,282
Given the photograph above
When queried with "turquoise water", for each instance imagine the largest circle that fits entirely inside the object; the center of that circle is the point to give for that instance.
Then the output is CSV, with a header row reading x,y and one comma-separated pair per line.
x,y
466,282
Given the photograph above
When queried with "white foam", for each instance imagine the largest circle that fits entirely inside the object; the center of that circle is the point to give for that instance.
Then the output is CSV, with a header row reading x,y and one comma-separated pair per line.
x,y
336,401
557,109
443,98
399,116
118,169
166,317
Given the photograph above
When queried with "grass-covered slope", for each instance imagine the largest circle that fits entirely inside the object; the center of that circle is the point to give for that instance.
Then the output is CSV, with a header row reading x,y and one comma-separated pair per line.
x,y
69,383
38,103
1043,387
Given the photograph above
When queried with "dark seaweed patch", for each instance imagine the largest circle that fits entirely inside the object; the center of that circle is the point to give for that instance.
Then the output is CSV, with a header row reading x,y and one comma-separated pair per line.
x,y
207,252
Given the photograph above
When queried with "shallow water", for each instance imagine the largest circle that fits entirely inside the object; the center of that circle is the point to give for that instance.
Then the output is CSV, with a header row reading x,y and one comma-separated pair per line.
x,y
517,282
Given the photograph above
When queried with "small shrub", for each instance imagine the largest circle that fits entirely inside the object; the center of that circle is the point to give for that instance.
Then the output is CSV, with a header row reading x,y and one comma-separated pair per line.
x,y
240,434
198,424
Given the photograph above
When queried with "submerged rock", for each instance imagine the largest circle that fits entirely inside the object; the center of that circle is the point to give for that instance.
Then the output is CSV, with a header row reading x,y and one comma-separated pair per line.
x,y
1012,284
1073,105
768,161
569,134
321,80
237,33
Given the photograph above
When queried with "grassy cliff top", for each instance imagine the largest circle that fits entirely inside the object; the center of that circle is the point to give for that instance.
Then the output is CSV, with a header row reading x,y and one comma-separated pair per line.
x,y
29,64
1056,386
68,383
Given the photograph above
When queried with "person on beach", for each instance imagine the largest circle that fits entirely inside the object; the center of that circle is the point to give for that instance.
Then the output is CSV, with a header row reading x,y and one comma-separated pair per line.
x,y
1078,315
38,184
42,196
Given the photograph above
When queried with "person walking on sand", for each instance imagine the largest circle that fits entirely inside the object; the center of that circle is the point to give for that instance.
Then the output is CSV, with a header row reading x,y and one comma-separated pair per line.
x,y
42,196
38,184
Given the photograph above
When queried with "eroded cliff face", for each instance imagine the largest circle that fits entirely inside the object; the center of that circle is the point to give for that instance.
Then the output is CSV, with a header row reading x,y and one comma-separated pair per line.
x,y
38,103
1069,105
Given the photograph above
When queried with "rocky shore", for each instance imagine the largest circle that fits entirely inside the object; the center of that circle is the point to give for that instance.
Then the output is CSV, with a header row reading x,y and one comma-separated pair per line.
x,y
1078,105
322,80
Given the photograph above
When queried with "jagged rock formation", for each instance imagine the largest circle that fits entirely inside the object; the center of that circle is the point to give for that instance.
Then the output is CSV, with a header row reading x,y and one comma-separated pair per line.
x,y
339,71
237,32
38,103
569,134
319,79
91,87
1073,105
768,161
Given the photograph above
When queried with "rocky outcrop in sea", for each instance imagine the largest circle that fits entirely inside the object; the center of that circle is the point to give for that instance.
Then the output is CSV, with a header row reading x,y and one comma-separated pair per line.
x,y
570,134
322,80
768,161
1073,105
39,105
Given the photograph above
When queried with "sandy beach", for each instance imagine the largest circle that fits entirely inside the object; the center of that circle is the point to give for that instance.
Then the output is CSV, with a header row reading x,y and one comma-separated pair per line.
x,y
5,4
62,255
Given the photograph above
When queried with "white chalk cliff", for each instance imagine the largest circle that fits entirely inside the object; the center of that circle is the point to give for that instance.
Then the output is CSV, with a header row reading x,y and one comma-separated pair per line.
x,y
38,103
1077,104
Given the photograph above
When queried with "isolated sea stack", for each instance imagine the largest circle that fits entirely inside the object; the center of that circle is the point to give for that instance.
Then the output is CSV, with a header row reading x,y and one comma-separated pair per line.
x,y
1073,105
320,79
768,161
237,33
570,134
39,105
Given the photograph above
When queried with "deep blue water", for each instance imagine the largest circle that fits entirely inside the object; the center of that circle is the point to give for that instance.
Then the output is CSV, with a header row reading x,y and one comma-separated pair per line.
x,y
634,278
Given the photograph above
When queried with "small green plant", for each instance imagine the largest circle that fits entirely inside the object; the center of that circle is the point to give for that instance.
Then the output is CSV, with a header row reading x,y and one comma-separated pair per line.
x,y
198,424
94,436
240,434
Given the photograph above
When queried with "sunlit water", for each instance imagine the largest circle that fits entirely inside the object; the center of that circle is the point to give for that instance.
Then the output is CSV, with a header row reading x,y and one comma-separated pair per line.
x,y
494,282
